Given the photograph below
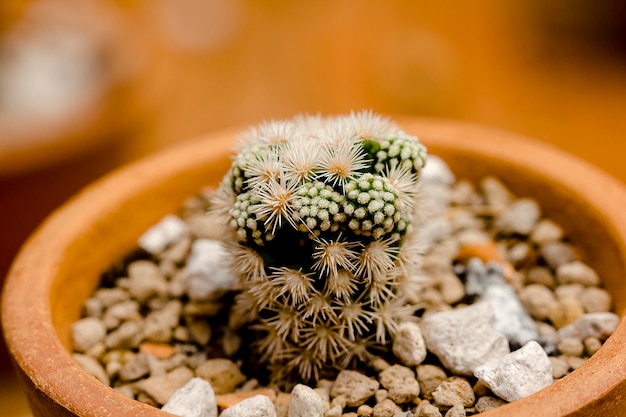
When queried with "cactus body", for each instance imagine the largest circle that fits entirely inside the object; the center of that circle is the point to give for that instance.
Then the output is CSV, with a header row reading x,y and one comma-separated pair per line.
x,y
321,209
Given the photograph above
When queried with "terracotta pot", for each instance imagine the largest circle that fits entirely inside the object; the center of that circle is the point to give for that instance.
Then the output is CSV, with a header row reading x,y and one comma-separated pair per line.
x,y
60,265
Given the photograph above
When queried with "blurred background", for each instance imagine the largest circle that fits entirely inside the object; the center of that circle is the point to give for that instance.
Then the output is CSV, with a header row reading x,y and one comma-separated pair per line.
x,y
88,86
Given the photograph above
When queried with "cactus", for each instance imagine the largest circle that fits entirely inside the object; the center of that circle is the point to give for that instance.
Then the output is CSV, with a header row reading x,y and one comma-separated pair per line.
x,y
323,212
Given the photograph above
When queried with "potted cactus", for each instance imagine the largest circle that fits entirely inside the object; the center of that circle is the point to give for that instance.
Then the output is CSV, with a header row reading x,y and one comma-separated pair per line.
x,y
324,216
304,221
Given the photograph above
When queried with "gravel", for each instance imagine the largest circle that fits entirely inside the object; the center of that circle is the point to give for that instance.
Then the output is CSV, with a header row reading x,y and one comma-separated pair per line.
x,y
160,330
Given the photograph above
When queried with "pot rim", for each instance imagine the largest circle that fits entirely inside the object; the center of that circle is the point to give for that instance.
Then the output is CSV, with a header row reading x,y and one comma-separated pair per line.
x,y
40,357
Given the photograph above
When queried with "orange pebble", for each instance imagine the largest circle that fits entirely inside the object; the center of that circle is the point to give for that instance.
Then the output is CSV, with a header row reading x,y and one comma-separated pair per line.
x,y
158,350
226,400
486,252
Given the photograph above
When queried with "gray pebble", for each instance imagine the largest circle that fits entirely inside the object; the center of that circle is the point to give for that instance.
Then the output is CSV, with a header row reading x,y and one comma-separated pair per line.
x,y
520,217
305,402
161,388
600,325
92,367
87,332
195,399
126,336
518,374
257,406
557,253
577,272
145,281
473,325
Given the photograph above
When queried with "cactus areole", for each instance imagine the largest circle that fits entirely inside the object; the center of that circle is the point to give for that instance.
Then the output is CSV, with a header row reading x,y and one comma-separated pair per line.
x,y
323,213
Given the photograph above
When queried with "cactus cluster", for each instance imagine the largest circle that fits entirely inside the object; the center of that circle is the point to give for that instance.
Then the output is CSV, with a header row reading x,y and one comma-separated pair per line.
x,y
322,211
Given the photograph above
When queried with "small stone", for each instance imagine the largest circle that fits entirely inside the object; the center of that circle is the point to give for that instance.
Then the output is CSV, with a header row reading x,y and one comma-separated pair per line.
x,y
518,374
454,391
305,402
386,408
557,253
546,231
177,252
429,378
564,291
208,273
111,296
381,395
486,252
199,329
520,217
281,404
566,311
379,364
195,399
222,374
519,254
473,326
158,350
228,400
487,403
87,332
540,275
335,411
496,193
159,324
594,299
574,362
571,346
92,367
456,411
364,410
168,230
161,388
451,288
145,281
538,300
339,400
257,406
592,345
510,318
560,367
127,336
600,325
127,310
356,387
401,384
409,345
577,272
134,368
426,409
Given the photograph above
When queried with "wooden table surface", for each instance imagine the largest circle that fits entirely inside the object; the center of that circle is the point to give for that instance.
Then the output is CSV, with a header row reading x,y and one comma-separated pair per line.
x,y
547,71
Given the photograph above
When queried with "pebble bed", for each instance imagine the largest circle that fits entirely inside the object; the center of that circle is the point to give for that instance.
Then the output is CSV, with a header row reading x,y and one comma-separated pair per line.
x,y
501,278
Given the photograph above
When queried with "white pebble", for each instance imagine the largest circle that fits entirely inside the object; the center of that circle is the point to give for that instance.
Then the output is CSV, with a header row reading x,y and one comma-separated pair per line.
x,y
464,338
409,345
520,217
577,272
305,402
518,374
195,399
167,231
257,406
87,332
208,273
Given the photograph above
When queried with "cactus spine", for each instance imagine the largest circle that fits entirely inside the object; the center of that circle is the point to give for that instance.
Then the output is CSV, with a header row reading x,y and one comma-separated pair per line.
x,y
323,212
